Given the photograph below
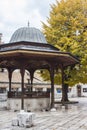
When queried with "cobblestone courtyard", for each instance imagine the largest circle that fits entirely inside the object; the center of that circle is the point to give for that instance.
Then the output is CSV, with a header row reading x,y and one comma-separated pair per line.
x,y
73,118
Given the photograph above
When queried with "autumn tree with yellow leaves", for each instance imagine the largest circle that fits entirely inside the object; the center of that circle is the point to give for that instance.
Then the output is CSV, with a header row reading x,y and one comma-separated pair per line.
x,y
66,29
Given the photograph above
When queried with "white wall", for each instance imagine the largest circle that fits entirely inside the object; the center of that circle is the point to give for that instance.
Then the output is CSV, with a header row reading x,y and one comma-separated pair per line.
x,y
73,92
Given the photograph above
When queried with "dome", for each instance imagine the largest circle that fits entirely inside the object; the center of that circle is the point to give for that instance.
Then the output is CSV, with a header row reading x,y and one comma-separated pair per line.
x,y
28,34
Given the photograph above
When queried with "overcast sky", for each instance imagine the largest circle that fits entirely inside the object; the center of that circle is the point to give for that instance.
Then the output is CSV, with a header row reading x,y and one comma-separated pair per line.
x,y
16,13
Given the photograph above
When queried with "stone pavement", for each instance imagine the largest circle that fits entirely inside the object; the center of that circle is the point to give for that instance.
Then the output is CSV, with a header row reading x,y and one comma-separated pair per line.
x,y
72,118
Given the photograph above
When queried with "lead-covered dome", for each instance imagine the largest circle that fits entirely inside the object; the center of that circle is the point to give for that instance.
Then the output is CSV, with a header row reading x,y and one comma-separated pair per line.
x,y
28,34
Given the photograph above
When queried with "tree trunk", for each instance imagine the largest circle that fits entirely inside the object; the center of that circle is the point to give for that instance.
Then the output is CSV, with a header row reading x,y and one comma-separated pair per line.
x,y
65,93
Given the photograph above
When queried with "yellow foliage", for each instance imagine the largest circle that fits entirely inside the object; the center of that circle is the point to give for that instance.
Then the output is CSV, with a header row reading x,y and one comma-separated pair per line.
x,y
67,30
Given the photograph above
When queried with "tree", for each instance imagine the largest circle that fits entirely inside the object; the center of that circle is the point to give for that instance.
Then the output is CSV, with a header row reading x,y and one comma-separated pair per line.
x,y
66,29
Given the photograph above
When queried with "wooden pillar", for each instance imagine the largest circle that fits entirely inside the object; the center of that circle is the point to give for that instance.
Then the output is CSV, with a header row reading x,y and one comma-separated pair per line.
x,y
22,71
31,79
52,85
10,70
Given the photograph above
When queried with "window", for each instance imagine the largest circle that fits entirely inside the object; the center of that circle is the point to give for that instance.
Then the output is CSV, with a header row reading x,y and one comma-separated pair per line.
x,y
84,89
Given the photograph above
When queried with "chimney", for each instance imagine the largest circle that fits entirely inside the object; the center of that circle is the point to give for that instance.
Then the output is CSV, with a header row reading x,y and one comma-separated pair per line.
x,y
0,38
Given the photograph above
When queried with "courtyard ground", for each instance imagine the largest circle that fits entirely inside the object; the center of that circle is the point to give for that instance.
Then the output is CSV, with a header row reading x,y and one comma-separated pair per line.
x,y
72,118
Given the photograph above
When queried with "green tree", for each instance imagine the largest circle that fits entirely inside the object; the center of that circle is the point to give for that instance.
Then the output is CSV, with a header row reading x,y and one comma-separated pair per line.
x,y
66,29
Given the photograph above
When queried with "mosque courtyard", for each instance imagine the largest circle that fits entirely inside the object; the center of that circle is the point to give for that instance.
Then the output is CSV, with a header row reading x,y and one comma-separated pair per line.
x,y
74,117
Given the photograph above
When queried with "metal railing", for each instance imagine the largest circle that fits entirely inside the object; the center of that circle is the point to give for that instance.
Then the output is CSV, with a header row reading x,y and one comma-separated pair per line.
x,y
14,94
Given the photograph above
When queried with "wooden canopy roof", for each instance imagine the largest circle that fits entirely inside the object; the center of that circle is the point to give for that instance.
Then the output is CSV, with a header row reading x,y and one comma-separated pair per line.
x,y
33,56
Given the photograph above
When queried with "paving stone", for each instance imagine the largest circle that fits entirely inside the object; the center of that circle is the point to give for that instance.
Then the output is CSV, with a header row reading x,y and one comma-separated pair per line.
x,y
74,118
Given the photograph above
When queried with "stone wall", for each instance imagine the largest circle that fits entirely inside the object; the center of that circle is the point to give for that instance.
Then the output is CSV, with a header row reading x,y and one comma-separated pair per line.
x,y
29,104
